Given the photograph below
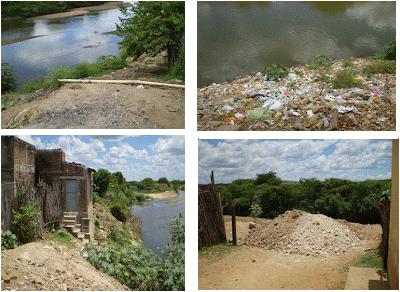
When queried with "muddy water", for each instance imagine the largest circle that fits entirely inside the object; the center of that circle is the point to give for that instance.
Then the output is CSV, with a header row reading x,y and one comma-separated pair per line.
x,y
239,38
64,41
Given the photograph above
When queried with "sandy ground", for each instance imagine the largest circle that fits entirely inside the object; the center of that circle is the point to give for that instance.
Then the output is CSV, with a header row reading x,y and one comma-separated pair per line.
x,y
47,266
80,11
164,195
101,105
16,40
252,268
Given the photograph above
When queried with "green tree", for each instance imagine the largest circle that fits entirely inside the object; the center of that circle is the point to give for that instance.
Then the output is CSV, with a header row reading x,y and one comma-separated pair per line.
x,y
8,81
268,178
117,178
148,182
102,179
163,180
153,27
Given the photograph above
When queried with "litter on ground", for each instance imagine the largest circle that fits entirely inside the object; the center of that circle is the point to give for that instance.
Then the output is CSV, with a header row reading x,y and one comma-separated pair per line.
x,y
301,101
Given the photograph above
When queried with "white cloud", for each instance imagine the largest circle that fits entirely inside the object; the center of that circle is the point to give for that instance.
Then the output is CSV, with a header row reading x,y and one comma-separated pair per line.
x,y
294,159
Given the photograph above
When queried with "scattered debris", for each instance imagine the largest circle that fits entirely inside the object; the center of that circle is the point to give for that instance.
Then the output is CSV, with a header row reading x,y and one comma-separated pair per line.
x,y
300,102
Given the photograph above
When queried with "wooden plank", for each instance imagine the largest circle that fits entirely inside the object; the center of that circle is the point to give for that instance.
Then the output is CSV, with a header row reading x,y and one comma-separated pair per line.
x,y
122,82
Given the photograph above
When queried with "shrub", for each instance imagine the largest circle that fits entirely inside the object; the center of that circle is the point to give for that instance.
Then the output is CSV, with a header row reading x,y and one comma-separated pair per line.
x,y
347,63
61,236
119,211
8,240
97,199
25,223
390,53
97,223
345,79
275,72
380,67
320,60
118,236
8,81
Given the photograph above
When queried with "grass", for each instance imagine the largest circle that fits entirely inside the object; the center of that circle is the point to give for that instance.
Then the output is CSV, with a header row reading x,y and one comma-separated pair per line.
x,y
318,61
345,79
218,250
372,258
347,63
380,67
61,236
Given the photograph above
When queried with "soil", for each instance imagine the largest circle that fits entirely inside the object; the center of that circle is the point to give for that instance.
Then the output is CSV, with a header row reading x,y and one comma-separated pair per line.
x,y
47,266
164,195
255,268
101,105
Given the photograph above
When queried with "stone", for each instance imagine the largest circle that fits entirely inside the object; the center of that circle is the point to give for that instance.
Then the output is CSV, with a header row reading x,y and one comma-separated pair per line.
x,y
229,128
36,279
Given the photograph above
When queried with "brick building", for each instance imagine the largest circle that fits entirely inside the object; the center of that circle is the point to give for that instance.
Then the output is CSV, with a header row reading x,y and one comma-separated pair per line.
x,y
21,161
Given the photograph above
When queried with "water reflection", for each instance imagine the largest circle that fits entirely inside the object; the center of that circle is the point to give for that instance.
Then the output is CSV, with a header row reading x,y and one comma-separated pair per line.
x,y
237,39
64,41
155,216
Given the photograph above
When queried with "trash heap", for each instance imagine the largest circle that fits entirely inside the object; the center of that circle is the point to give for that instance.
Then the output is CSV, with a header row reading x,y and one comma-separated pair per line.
x,y
300,101
303,233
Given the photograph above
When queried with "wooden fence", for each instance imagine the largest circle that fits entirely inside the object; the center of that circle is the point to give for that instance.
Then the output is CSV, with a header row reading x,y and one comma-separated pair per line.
x,y
211,221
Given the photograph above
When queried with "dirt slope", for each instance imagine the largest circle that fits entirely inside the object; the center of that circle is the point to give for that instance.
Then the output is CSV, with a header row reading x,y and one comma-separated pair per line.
x,y
47,266
103,106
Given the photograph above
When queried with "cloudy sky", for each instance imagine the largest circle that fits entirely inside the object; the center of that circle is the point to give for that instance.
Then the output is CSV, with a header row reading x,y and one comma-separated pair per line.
x,y
137,157
294,159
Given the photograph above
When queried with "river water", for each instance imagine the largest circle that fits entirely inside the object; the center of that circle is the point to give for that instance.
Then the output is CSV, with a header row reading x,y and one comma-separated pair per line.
x,y
240,38
155,216
61,42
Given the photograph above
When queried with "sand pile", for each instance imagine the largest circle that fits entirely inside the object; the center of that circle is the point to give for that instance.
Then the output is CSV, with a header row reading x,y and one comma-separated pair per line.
x,y
304,233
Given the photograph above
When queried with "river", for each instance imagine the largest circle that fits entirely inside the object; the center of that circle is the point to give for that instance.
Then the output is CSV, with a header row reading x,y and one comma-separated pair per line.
x,y
155,216
63,41
239,38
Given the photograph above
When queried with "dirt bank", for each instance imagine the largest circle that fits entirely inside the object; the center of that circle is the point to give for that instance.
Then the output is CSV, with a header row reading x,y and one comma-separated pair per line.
x,y
249,267
81,11
164,195
48,266
16,40
103,106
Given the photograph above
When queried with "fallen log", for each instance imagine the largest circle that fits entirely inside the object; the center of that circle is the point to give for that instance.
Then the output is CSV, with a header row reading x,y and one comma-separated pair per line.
x,y
122,82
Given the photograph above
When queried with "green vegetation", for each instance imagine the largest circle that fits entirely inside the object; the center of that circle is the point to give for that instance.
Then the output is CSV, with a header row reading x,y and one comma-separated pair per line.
x,y
154,27
383,64
25,222
337,198
372,258
218,250
8,240
140,268
103,65
275,72
8,81
113,190
61,236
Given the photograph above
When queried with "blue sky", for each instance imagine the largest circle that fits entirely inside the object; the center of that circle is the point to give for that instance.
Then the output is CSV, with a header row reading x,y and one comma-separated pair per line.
x,y
137,157
355,160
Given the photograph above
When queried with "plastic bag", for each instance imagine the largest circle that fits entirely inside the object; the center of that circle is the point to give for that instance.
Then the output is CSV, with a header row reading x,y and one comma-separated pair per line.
x,y
259,113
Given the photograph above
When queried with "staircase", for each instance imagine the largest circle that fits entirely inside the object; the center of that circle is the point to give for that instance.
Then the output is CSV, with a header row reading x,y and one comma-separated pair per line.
x,y
78,228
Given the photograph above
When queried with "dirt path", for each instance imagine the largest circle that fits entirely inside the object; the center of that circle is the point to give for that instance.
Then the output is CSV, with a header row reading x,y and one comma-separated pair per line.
x,y
102,106
250,268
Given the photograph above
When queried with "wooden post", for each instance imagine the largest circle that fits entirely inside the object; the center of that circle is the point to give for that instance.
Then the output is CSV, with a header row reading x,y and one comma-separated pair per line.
x,y
234,240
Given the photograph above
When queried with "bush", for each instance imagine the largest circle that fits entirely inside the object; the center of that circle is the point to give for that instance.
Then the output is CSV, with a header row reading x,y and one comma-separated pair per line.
x,y
320,60
380,67
8,240
25,224
345,79
275,72
118,236
8,81
390,53
119,211
97,199
97,223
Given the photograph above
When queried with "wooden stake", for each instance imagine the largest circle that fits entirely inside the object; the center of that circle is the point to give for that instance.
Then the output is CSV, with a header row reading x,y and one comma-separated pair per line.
x,y
234,240
122,82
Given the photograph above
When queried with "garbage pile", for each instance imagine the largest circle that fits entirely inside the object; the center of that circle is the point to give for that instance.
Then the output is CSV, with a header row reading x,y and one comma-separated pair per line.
x,y
300,101
303,233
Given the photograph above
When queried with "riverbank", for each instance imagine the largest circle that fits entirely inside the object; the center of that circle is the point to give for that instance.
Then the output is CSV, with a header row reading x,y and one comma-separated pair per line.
x,y
81,11
81,105
307,99
73,12
165,195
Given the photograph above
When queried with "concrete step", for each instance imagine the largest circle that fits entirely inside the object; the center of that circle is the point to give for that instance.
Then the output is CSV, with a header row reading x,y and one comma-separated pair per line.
x,y
367,279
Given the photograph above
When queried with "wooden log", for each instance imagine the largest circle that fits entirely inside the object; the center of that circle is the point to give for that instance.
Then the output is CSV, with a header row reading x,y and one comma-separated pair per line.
x,y
122,82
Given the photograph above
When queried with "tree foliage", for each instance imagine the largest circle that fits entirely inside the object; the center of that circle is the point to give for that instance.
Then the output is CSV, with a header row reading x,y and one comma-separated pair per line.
x,y
8,80
337,198
268,178
101,178
153,27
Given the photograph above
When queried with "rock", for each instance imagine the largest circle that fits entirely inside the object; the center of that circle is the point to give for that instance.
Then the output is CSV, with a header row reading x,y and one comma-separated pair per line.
x,y
252,225
350,119
316,109
36,279
303,233
215,123
229,128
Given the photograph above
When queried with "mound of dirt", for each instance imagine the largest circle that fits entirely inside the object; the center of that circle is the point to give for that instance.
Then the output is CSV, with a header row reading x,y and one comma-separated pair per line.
x,y
47,266
304,233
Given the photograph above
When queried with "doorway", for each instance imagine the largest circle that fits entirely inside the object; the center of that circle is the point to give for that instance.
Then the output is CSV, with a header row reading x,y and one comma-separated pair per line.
x,y
71,195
